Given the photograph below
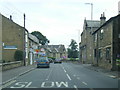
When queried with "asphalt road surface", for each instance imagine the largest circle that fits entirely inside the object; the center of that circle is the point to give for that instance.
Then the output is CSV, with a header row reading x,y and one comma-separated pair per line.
x,y
65,75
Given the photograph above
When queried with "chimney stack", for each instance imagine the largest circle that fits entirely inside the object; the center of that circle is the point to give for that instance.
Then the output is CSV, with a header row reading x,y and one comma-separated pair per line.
x,y
11,17
102,19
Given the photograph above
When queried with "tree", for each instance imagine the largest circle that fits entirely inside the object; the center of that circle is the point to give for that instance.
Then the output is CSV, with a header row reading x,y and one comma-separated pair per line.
x,y
42,39
73,50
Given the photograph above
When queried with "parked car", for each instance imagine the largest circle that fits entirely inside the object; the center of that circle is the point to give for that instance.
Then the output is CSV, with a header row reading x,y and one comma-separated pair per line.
x,y
57,61
50,60
43,62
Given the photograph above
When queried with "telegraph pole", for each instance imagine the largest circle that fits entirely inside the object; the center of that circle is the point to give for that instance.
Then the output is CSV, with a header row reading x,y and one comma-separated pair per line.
x,y
24,20
24,42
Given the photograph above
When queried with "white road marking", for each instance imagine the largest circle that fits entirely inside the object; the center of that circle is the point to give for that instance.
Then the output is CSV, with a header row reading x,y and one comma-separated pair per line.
x,y
65,71
28,84
49,74
6,85
68,77
75,87
19,85
84,83
62,83
112,76
22,85
32,87
47,84
63,67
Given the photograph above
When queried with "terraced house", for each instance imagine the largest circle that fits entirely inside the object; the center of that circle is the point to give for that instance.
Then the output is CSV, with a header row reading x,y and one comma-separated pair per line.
x,y
33,46
101,45
13,38
107,43
56,51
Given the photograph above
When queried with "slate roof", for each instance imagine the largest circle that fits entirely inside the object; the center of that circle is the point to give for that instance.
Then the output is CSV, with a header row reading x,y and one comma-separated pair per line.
x,y
55,48
92,23
33,38
111,19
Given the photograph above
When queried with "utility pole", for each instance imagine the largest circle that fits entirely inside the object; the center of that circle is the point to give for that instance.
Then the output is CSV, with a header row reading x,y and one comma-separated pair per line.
x,y
24,42
24,20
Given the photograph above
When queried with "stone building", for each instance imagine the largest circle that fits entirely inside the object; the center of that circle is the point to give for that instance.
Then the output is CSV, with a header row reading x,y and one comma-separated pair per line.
x,y
33,46
12,39
56,51
1,38
86,55
107,43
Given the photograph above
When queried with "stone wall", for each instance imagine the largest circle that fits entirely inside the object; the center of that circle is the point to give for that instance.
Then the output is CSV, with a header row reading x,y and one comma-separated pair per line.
x,y
10,65
0,38
0,67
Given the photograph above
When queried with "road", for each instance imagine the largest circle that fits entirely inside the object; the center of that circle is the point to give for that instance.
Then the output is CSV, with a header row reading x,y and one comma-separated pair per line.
x,y
65,75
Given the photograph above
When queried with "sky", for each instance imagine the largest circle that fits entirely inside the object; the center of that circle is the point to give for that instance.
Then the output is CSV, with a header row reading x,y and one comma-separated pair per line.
x,y
58,20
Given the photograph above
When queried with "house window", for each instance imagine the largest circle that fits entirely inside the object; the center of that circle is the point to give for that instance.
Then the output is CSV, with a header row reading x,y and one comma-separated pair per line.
x,y
101,34
108,53
95,53
95,37
100,53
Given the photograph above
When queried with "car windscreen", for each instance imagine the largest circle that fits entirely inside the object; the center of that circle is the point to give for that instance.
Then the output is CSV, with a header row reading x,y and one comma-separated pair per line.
x,y
43,59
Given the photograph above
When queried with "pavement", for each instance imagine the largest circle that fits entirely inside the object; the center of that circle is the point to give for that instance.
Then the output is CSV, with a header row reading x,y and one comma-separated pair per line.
x,y
113,74
110,73
12,74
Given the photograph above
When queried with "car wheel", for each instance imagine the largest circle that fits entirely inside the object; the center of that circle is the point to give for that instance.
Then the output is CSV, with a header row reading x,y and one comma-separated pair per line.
x,y
48,66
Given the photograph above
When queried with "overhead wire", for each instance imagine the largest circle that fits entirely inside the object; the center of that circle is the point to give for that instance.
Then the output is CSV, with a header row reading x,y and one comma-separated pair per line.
x,y
17,15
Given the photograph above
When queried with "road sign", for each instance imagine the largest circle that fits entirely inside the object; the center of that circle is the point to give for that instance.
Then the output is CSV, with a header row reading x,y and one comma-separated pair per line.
x,y
37,50
42,50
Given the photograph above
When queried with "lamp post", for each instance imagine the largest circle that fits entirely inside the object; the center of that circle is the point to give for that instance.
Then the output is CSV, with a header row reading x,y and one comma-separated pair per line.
x,y
91,9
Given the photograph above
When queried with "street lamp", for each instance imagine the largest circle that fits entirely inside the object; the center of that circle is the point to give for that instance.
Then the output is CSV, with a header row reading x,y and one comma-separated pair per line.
x,y
91,9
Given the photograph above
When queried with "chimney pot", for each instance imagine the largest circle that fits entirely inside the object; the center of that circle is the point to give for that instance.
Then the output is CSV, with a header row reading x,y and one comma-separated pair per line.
x,y
102,18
